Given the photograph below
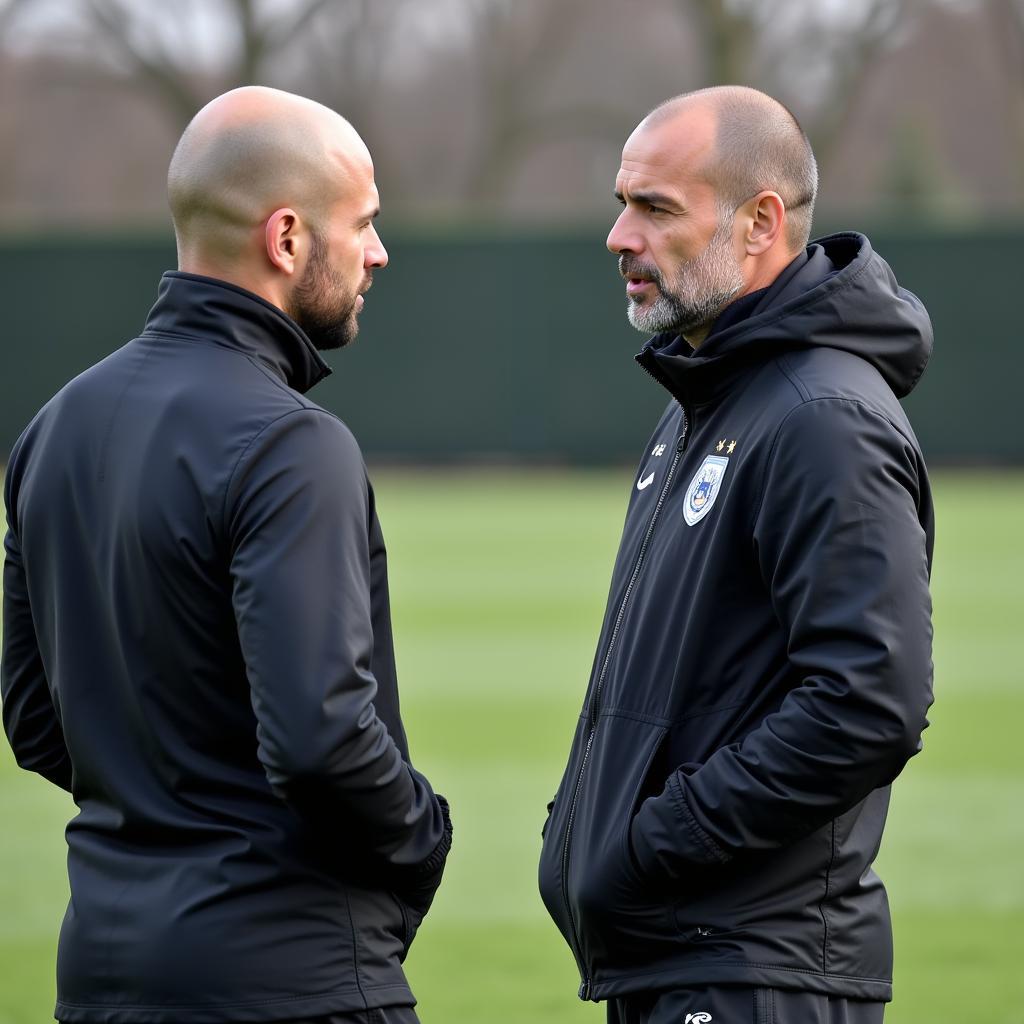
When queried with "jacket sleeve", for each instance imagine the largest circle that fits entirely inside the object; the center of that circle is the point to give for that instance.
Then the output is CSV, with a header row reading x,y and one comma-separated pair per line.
x,y
845,560
298,516
30,718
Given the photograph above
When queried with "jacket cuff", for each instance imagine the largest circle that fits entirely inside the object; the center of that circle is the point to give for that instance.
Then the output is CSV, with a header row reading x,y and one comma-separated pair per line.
x,y
714,854
433,864
665,836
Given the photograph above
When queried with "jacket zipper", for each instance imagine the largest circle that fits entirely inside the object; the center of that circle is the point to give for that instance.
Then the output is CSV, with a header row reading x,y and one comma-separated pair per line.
x,y
595,701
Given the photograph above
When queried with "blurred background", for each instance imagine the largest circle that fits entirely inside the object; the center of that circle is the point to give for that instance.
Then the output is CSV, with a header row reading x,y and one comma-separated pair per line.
x,y
493,391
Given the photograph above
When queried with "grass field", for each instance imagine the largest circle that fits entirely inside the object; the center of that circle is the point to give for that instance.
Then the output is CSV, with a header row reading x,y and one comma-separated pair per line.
x,y
498,584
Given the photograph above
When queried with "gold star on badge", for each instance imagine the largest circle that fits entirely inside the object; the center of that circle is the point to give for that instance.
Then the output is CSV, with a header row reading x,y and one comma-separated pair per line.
x,y
720,445
732,447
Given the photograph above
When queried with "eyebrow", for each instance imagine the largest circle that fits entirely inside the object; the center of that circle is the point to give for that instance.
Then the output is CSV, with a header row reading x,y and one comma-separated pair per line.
x,y
369,215
650,198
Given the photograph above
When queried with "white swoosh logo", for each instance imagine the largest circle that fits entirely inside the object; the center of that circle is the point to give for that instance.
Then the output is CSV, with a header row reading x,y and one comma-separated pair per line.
x,y
646,482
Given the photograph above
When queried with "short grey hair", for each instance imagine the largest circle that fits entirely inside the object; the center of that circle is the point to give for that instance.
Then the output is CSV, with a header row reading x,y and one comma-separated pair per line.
x,y
760,146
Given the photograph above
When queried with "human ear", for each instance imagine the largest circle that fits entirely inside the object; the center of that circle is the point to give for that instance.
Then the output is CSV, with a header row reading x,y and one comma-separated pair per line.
x,y
766,216
280,238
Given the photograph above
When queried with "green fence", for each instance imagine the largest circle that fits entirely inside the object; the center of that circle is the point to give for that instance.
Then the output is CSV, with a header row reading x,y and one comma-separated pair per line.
x,y
515,347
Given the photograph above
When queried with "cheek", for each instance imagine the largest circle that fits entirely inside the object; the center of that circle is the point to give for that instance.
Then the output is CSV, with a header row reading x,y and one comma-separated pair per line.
x,y
347,259
346,247
682,248
670,251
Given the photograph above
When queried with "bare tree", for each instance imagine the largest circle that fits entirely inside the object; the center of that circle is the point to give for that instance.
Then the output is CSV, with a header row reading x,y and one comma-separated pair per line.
x,y
1008,20
7,122
159,45
810,56
851,55
463,99
185,54
728,31
345,64
516,48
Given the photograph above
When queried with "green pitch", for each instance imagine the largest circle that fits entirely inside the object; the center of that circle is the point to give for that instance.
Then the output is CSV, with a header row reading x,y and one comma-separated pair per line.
x,y
498,583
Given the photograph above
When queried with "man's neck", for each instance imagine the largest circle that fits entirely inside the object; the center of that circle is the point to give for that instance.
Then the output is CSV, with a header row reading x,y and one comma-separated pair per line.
x,y
698,335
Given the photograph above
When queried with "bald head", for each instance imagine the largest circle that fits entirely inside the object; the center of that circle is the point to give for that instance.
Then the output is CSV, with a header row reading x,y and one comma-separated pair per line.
x,y
757,145
248,153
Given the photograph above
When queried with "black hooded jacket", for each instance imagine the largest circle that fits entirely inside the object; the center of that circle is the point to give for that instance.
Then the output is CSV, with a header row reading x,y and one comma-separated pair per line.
x,y
764,668
197,645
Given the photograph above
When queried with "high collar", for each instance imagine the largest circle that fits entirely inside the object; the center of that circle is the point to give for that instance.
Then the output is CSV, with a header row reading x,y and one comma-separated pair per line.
x,y
208,309
838,294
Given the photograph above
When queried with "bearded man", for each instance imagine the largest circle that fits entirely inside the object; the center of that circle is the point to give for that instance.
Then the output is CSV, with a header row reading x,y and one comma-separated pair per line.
x,y
764,667
197,642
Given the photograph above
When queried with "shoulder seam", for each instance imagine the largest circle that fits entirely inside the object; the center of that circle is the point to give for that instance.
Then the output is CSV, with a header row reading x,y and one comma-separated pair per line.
x,y
310,408
788,370
200,341
785,419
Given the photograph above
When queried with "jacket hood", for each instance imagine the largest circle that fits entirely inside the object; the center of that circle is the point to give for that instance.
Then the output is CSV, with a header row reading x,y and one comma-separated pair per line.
x,y
217,311
839,294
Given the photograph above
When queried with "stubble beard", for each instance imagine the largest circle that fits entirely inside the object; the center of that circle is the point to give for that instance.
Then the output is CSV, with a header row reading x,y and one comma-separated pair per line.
x,y
321,304
701,288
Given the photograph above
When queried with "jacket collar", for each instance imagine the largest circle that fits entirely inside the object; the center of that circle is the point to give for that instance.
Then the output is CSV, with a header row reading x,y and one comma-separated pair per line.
x,y
219,312
698,377
838,294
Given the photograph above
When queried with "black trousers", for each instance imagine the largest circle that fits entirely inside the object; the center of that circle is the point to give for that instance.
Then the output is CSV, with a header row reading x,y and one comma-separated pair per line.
x,y
385,1015
720,1005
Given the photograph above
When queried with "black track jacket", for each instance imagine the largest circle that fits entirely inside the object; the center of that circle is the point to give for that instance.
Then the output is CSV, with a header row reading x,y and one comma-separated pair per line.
x,y
197,645
764,667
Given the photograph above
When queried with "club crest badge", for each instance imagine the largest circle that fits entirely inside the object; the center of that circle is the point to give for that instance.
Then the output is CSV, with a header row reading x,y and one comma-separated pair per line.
x,y
704,488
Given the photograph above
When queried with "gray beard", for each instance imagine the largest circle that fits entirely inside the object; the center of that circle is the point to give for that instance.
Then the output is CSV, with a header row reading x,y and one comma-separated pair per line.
x,y
702,288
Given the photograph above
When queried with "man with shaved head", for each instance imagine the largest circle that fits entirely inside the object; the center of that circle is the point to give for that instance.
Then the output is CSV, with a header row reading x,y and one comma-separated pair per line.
x,y
197,641
764,668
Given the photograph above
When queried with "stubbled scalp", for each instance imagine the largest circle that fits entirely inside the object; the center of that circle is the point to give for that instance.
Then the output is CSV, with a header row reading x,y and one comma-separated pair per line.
x,y
759,145
248,153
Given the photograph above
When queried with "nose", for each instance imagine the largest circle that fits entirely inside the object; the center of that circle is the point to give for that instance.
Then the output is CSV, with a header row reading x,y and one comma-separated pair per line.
x,y
375,256
622,238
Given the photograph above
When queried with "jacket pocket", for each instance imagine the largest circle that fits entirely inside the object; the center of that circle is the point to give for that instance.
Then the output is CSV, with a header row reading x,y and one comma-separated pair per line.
x,y
410,921
384,929
547,819
553,835
622,919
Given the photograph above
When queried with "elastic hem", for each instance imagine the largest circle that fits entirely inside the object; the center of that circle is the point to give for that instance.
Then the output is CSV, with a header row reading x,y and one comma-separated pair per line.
x,y
347,1000
715,853
754,975
440,853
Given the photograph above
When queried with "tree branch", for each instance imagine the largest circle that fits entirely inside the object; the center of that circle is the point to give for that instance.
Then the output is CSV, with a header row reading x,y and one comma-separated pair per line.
x,y
166,80
883,16
285,30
